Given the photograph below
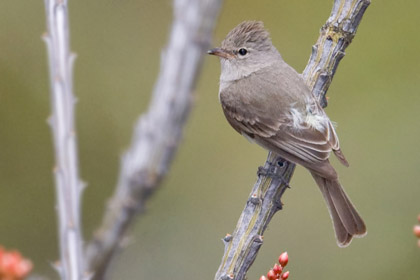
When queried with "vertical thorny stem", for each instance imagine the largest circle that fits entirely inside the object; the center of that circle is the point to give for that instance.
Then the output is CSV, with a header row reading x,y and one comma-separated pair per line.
x,y
68,184
242,246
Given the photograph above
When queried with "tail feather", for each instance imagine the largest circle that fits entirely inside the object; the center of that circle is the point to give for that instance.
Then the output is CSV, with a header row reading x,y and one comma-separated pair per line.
x,y
346,220
358,221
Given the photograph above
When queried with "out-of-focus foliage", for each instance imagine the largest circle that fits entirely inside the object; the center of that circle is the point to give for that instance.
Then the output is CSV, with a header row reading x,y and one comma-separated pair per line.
x,y
374,98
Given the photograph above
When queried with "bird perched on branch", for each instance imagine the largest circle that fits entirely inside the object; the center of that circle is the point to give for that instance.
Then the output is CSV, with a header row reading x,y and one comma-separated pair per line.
x,y
268,102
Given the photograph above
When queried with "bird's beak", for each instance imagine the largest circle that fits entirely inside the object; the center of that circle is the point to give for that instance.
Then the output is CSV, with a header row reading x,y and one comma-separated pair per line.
x,y
220,53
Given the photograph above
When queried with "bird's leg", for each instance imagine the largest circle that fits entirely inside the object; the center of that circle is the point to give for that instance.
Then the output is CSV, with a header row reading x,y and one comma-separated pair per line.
x,y
269,171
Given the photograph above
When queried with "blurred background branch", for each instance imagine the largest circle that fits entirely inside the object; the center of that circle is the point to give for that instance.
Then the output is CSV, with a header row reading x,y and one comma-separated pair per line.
x,y
158,132
66,172
242,246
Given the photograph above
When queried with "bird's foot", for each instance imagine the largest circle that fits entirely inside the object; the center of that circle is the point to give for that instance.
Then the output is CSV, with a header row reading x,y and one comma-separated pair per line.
x,y
272,172
267,172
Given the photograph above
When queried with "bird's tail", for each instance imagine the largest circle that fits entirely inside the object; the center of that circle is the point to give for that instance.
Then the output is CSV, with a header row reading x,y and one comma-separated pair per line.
x,y
347,222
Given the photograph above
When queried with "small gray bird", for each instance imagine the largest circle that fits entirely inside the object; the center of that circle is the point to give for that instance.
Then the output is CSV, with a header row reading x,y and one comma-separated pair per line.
x,y
268,102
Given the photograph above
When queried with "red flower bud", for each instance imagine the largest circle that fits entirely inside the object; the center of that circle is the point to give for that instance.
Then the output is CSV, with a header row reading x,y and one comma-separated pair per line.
x,y
263,278
278,269
284,259
416,230
271,275
13,265
285,275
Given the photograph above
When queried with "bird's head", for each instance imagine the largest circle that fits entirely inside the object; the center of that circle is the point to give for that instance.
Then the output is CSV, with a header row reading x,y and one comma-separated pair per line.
x,y
246,49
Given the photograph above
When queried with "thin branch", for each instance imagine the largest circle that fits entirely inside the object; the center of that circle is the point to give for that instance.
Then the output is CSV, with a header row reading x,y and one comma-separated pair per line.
x,y
159,131
242,246
68,184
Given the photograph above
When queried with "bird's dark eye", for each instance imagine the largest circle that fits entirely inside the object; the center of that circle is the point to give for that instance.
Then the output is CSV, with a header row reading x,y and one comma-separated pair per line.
x,y
242,51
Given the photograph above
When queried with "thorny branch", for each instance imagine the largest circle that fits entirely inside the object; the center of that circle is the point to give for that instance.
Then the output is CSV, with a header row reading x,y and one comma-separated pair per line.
x,y
67,181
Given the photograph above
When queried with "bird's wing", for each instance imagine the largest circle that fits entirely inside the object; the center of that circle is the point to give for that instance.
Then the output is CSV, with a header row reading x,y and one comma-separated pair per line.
x,y
309,143
245,121
309,136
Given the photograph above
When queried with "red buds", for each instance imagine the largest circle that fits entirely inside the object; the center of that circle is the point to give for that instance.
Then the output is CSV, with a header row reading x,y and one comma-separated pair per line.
x,y
278,269
276,273
13,266
285,275
417,231
283,259
271,275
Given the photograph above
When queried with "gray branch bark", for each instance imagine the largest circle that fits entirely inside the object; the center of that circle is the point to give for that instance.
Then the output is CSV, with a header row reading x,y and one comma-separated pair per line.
x,y
158,132
67,182
242,246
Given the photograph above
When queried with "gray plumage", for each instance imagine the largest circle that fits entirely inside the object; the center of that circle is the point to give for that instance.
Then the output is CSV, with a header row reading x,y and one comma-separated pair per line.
x,y
267,101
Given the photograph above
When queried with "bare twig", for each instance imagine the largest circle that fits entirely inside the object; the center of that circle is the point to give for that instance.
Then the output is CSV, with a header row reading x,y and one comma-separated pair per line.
x,y
68,184
242,246
158,132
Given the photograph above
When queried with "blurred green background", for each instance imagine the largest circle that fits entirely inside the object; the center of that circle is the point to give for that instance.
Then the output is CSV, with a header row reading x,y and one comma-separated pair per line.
x,y
374,98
